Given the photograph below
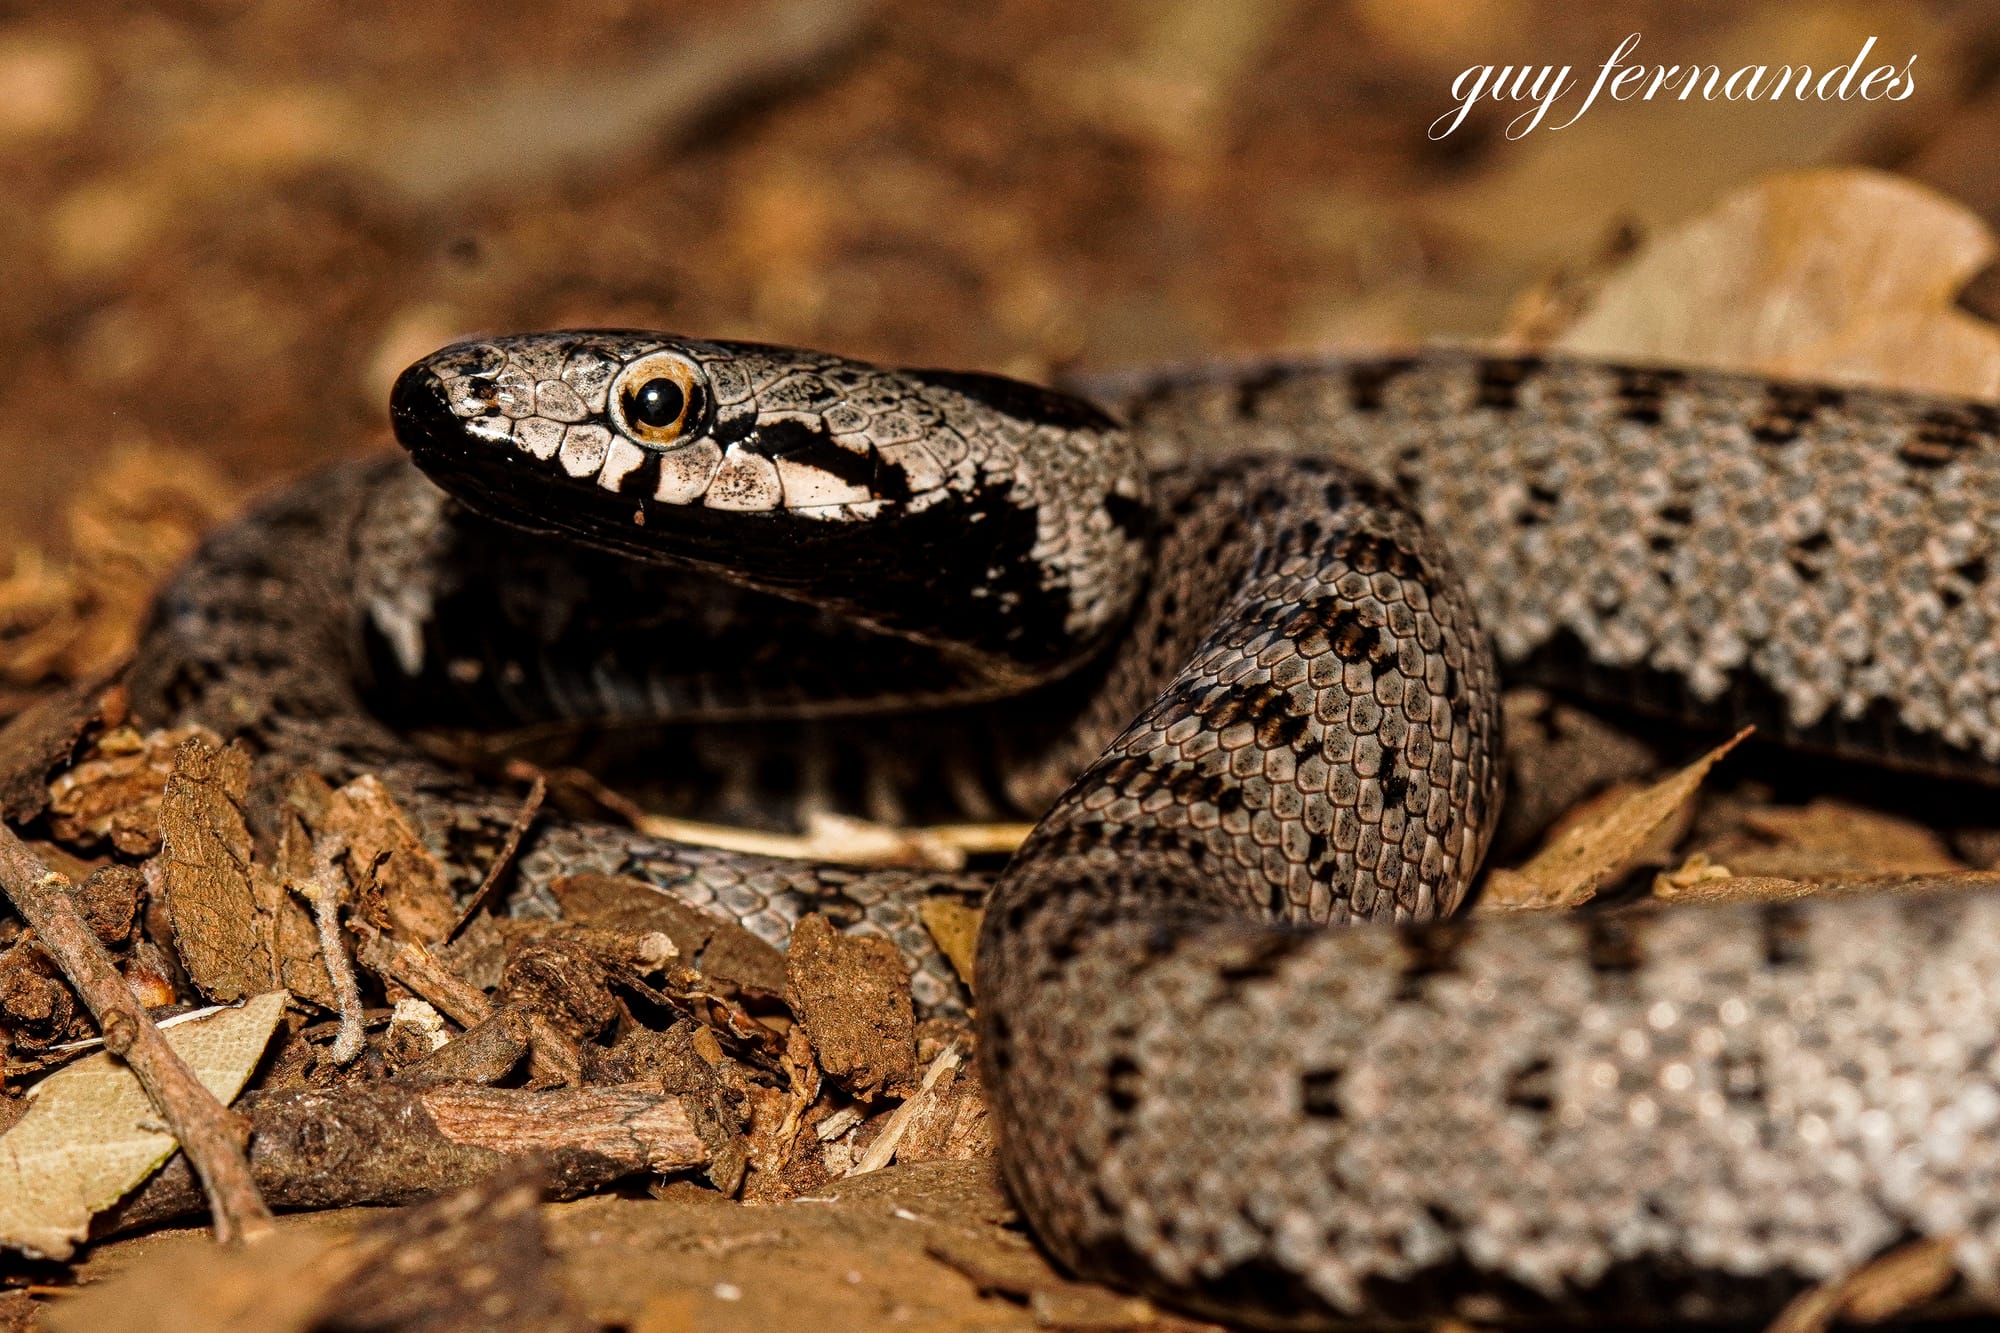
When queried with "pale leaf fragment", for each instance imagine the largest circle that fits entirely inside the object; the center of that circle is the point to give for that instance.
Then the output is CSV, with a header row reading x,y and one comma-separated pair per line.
x,y
1843,274
1590,852
91,1134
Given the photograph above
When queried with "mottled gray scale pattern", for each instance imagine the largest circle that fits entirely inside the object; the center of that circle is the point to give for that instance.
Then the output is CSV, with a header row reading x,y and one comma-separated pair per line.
x,y
1834,547
1295,1108
1203,1094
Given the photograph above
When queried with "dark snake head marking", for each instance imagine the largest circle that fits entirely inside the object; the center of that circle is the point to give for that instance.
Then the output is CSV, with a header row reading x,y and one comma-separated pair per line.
x,y
889,492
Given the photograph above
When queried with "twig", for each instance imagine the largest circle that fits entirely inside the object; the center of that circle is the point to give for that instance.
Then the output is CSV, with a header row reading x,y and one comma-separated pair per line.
x,y
385,1143
322,895
530,806
210,1133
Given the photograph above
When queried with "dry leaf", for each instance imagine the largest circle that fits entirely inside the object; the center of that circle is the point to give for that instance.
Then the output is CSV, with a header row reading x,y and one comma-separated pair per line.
x,y
1588,852
207,881
91,1133
955,929
1830,837
1835,274
403,888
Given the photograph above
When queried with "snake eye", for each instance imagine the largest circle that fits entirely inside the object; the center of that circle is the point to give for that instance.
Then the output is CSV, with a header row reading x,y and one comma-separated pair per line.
x,y
659,400
658,403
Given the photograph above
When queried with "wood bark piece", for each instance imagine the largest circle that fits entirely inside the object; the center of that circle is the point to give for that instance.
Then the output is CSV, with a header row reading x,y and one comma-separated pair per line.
x,y
210,1134
719,949
853,996
42,736
387,1143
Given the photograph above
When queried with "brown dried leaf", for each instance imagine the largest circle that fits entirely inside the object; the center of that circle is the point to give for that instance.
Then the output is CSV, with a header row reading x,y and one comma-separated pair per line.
x,y
1830,274
1586,853
295,942
207,881
852,994
113,792
403,889
955,928
1830,837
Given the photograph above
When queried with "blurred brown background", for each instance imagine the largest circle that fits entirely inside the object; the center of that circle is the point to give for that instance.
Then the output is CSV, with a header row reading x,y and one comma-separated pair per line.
x,y
229,223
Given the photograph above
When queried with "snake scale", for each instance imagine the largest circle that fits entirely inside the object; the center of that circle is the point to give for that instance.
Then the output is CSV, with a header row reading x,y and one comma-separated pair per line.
x,y
1219,640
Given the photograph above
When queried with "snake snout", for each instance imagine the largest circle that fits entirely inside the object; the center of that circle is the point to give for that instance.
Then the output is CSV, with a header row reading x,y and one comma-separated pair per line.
x,y
421,414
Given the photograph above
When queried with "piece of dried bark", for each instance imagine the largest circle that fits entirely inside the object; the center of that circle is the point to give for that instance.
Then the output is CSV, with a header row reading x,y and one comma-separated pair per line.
x,y
389,1143
207,886
113,792
1589,851
109,900
37,1008
39,738
561,979
852,994
719,949
483,1054
402,887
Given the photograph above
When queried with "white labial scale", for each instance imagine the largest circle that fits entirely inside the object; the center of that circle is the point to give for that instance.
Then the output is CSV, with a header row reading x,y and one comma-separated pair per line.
x,y
583,449
685,472
619,461
539,436
494,430
745,482
806,485
920,468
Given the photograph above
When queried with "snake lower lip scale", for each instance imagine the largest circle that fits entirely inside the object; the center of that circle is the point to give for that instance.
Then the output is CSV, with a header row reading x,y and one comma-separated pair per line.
x,y
1285,714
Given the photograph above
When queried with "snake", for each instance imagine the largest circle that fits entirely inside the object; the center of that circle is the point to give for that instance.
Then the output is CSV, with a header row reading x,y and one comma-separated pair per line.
x,y
1237,637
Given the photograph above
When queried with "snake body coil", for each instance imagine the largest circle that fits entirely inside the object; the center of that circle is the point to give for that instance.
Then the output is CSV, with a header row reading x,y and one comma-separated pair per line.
x,y
1235,618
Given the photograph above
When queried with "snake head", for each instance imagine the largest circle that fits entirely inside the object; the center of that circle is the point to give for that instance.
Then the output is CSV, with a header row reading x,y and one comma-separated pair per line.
x,y
798,472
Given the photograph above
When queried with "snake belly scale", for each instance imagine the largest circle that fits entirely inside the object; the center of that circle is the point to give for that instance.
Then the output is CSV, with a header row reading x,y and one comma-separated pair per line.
x,y
1240,646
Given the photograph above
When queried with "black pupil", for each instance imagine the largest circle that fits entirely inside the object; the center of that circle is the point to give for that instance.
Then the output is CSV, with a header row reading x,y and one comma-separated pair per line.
x,y
658,403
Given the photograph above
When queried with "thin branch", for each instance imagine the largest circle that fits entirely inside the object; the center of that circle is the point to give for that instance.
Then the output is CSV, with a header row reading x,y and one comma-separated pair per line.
x,y
530,807
212,1135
